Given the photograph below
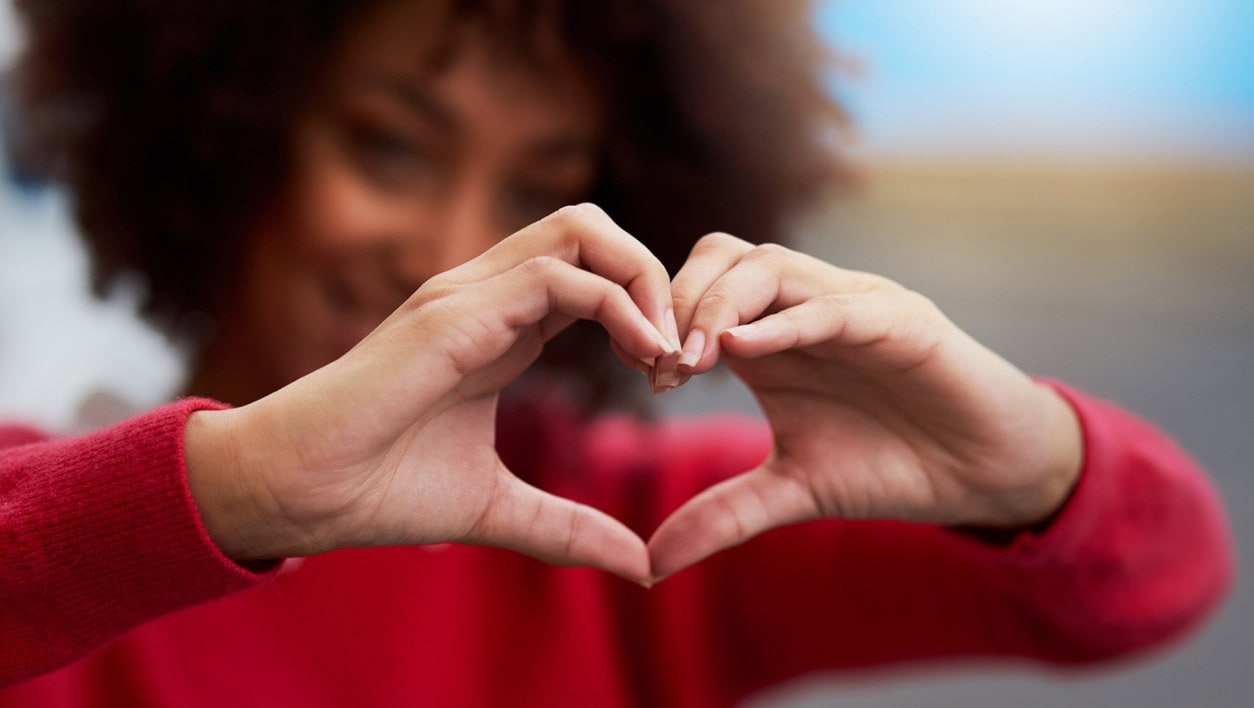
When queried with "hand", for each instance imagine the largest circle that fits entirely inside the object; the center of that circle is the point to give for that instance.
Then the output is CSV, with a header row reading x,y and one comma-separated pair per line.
x,y
879,405
394,443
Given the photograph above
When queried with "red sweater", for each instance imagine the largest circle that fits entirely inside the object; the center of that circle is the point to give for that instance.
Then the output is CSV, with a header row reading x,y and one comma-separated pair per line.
x,y
101,545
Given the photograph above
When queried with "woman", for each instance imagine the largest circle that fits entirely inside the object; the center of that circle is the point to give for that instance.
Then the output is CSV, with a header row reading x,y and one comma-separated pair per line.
x,y
356,199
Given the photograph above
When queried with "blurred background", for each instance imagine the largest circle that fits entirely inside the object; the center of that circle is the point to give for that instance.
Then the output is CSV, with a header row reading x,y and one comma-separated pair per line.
x,y
1072,181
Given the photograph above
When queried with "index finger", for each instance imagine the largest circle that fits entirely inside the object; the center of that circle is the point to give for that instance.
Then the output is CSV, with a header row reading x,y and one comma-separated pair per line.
x,y
713,255
585,236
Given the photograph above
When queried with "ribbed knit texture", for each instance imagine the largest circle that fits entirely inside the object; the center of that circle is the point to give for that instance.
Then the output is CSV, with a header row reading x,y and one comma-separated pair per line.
x,y
1140,489
99,535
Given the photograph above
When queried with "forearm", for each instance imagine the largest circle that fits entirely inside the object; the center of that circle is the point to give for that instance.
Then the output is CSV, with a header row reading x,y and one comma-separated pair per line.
x,y
100,535
1138,555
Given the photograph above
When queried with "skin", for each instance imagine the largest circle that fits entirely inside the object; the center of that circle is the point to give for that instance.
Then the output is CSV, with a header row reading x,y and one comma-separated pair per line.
x,y
419,188
400,172
880,406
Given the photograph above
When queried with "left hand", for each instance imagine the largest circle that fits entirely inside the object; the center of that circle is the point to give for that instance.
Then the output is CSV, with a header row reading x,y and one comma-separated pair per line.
x,y
880,406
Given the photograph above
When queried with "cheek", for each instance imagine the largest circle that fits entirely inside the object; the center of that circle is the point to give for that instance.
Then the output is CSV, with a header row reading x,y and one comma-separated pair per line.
x,y
284,311
329,225
333,211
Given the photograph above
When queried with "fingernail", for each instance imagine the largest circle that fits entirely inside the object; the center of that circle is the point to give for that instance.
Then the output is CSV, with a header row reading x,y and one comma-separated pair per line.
x,y
666,380
664,343
742,330
661,380
649,361
664,374
692,349
672,331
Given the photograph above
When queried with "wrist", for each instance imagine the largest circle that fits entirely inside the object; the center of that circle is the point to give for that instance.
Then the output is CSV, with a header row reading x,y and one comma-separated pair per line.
x,y
1065,460
1034,508
230,496
1047,480
1061,462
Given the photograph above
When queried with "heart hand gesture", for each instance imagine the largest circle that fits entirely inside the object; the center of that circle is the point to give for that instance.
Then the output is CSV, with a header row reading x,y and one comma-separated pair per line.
x,y
880,408
879,405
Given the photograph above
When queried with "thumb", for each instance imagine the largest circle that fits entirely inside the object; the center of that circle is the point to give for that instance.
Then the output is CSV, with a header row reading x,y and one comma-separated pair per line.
x,y
728,514
559,531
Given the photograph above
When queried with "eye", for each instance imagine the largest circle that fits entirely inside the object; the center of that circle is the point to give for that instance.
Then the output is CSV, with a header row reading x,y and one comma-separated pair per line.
x,y
388,156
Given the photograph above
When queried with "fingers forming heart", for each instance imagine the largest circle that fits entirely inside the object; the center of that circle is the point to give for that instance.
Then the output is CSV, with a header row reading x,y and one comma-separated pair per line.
x,y
880,408
559,531
726,515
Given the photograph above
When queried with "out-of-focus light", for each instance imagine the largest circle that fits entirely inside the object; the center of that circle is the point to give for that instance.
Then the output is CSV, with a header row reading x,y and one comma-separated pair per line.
x,y
1119,77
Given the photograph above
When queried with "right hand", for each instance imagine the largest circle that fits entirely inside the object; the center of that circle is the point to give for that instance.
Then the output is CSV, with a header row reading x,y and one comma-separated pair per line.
x,y
394,443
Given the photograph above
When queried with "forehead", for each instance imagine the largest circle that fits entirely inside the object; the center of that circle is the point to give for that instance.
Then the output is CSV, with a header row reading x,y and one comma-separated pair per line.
x,y
506,53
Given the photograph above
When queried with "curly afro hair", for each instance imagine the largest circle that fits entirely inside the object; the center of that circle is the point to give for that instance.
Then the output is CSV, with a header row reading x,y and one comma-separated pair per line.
x,y
168,119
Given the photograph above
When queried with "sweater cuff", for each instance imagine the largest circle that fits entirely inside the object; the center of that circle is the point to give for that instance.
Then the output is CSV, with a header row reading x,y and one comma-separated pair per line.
x,y
1136,488
1141,550
112,537
142,512
1070,526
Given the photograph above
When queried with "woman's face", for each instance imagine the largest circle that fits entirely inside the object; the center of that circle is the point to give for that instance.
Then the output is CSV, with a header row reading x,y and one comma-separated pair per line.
x,y
401,171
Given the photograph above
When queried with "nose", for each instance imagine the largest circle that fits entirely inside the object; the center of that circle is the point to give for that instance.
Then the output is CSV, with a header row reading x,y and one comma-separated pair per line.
x,y
469,231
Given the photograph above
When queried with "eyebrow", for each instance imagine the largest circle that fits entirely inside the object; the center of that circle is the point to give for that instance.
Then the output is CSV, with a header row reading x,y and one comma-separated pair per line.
x,y
416,99
423,103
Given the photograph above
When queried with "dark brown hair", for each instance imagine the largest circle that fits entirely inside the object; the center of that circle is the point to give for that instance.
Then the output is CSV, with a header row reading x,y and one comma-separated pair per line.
x,y
168,119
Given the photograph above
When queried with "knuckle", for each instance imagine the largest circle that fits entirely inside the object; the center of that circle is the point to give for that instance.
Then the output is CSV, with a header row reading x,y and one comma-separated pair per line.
x,y
719,241
577,214
572,224
769,252
714,301
922,307
433,290
826,307
565,215
683,299
541,267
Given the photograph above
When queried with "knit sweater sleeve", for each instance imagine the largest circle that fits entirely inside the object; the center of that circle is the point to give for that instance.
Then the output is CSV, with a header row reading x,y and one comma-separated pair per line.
x,y
1140,554
99,534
